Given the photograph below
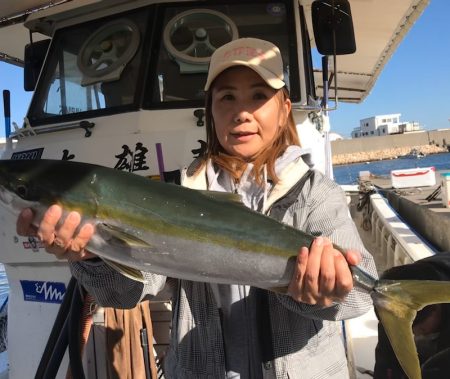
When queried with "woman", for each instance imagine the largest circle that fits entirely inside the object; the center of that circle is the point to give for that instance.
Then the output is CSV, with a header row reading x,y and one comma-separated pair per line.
x,y
237,331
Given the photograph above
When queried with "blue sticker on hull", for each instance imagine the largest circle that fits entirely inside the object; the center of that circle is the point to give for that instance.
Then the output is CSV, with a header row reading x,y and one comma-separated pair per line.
x,y
43,292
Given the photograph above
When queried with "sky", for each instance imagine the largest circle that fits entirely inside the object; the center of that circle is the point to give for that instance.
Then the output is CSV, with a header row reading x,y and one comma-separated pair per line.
x,y
415,82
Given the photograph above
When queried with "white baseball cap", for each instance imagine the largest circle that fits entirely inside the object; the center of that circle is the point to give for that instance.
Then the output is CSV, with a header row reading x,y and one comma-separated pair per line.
x,y
261,56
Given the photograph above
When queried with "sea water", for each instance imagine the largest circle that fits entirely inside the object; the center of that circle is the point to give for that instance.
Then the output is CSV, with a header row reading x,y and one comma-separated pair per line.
x,y
348,174
3,285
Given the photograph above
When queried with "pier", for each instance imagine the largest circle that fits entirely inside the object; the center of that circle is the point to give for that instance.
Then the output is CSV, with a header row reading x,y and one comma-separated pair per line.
x,y
366,149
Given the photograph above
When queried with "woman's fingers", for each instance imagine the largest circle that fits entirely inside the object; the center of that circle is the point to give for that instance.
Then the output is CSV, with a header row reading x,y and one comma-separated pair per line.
x,y
310,290
69,242
296,284
60,237
353,257
322,274
46,230
64,235
344,279
23,225
77,249
327,276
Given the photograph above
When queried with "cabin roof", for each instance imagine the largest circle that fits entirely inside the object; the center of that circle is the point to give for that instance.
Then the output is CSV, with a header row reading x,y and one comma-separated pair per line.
x,y
380,25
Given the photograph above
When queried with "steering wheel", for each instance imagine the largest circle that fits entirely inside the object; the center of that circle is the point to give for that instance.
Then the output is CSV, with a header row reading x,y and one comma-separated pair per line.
x,y
109,49
192,36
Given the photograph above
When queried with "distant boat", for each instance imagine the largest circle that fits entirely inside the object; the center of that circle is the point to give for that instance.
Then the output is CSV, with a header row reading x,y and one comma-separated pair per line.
x,y
413,154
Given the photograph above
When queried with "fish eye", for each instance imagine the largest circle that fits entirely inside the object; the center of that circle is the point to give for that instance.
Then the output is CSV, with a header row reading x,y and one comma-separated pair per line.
x,y
22,191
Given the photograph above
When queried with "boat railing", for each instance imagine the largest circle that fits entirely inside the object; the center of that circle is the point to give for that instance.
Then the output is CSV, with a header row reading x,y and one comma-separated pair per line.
x,y
398,244
393,243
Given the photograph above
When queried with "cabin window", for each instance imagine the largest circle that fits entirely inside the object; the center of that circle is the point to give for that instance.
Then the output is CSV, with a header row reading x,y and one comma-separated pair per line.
x,y
93,68
188,36
155,57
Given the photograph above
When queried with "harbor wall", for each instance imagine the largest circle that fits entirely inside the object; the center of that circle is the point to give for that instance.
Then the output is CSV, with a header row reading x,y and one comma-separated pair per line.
x,y
387,147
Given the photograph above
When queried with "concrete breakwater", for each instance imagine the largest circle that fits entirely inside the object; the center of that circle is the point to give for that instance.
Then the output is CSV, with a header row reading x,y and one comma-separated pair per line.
x,y
367,149
378,155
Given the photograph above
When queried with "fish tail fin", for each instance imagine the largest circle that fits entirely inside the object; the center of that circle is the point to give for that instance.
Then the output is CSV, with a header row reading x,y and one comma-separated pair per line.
x,y
397,303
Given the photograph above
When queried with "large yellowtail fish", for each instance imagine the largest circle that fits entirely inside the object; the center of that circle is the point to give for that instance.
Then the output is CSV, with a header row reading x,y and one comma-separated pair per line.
x,y
195,235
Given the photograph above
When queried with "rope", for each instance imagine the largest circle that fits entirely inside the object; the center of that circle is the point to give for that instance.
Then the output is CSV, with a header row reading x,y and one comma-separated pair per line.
x,y
365,190
87,311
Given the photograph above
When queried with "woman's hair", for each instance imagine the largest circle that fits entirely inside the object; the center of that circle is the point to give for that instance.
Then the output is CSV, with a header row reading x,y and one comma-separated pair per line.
x,y
235,165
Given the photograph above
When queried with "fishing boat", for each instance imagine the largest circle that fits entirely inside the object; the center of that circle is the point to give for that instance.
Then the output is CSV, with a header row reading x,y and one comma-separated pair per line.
x,y
413,154
119,83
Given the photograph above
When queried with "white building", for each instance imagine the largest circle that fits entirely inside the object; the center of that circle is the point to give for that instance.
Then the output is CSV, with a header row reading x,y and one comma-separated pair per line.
x,y
383,125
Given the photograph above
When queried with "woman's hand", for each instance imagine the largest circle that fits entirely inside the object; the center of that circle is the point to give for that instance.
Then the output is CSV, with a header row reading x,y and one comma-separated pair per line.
x,y
62,241
322,275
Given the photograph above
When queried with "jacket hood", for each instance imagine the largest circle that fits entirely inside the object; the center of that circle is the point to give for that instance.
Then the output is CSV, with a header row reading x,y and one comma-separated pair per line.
x,y
289,167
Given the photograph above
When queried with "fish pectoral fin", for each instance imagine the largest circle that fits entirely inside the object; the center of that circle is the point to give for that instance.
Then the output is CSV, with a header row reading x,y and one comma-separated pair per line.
x,y
223,196
129,272
111,232
279,290
397,319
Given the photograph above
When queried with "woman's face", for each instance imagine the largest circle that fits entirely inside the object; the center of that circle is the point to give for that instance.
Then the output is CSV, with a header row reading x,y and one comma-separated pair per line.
x,y
247,112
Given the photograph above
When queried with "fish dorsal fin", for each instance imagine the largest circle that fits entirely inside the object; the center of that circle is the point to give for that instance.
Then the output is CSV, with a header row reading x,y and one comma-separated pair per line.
x,y
223,196
111,232
129,272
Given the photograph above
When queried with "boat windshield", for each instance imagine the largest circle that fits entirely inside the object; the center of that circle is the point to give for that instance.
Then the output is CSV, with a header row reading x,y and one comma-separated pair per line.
x,y
154,57
189,36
